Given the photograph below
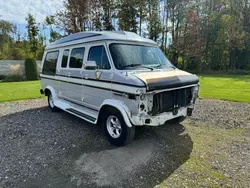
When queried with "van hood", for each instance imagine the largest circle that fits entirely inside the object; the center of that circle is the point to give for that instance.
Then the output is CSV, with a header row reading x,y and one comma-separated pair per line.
x,y
167,79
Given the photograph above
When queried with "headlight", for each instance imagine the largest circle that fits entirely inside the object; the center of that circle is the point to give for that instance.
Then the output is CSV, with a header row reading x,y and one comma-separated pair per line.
x,y
196,90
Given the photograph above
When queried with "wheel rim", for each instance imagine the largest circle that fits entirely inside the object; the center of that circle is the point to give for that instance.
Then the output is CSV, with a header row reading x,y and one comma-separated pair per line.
x,y
51,102
114,126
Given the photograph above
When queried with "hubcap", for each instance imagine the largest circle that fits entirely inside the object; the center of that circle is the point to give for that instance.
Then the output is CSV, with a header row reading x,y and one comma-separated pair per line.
x,y
114,126
51,102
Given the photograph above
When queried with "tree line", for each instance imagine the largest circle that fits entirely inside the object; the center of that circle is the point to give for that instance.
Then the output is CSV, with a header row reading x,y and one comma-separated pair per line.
x,y
199,35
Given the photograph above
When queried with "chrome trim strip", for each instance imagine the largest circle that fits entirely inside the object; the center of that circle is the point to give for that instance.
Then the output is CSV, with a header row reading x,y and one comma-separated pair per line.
x,y
163,90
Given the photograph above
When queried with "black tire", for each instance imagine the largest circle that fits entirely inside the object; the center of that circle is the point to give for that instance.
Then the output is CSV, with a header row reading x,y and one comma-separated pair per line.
x,y
179,119
126,133
176,121
52,107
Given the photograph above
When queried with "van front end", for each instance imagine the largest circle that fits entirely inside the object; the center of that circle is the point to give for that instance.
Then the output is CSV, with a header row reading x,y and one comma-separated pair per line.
x,y
156,108
170,95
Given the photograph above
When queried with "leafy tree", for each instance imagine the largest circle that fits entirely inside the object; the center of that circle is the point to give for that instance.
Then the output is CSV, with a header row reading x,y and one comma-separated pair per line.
x,y
108,7
127,15
96,15
154,19
72,18
142,13
32,32
50,21
5,27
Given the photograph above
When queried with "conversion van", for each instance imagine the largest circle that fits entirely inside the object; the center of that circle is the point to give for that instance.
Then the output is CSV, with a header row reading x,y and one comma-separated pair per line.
x,y
117,79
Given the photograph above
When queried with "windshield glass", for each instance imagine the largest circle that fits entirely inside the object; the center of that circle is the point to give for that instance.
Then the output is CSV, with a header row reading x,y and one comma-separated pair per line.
x,y
127,56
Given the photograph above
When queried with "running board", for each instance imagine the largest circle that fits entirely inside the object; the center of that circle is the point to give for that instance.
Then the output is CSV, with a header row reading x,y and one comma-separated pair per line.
x,y
82,115
77,110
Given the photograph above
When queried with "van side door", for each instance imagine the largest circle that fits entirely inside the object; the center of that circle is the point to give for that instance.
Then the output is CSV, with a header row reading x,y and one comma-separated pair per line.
x,y
62,72
97,83
73,76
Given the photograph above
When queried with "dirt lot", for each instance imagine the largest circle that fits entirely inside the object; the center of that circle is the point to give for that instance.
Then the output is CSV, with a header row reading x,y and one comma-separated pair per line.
x,y
44,149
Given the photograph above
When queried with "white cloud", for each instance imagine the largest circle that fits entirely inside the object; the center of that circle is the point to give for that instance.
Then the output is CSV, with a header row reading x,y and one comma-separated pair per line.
x,y
17,10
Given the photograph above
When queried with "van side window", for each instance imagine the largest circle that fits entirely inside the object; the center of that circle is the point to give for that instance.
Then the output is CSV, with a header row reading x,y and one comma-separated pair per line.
x,y
99,55
76,58
49,66
65,58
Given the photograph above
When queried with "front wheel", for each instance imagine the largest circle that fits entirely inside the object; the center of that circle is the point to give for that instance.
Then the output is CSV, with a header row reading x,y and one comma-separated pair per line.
x,y
179,120
115,128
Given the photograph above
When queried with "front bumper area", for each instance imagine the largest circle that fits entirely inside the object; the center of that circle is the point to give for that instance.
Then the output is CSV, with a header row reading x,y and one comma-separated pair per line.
x,y
161,118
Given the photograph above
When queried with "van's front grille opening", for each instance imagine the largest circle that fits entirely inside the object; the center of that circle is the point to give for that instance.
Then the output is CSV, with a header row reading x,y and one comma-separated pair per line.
x,y
169,100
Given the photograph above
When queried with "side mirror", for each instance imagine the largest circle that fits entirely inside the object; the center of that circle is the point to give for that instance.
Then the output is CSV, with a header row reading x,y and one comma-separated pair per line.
x,y
90,65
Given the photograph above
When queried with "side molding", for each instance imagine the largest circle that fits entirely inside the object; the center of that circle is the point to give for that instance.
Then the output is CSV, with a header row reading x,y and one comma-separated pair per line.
x,y
119,106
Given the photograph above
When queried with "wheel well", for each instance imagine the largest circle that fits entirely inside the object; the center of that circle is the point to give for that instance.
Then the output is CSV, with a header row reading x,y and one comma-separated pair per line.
x,y
105,108
47,92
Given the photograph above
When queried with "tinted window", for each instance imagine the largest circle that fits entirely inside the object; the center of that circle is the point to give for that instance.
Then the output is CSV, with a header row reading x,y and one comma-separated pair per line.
x,y
99,55
49,66
76,58
65,58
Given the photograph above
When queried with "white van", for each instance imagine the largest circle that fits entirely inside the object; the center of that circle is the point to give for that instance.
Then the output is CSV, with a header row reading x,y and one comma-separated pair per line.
x,y
117,79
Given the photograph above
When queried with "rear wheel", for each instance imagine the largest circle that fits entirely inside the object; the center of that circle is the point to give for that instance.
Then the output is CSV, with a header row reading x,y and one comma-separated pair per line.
x,y
115,128
52,106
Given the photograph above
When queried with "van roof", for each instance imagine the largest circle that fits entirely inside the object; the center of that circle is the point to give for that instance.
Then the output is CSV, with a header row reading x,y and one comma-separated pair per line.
x,y
90,36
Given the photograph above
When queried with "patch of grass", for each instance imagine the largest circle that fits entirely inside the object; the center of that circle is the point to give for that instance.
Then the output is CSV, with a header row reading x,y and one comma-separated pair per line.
x,y
225,87
12,91
211,163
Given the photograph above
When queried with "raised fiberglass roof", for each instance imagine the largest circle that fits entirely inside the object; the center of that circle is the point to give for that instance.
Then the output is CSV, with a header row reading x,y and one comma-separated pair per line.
x,y
98,35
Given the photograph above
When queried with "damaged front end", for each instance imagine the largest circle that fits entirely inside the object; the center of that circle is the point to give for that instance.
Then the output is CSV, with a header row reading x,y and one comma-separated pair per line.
x,y
158,106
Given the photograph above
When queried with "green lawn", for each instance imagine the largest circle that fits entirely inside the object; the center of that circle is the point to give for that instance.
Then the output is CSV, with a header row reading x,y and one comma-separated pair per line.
x,y
12,91
226,87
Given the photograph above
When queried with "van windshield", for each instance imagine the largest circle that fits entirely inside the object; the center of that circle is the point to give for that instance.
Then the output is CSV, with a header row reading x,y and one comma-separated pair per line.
x,y
127,56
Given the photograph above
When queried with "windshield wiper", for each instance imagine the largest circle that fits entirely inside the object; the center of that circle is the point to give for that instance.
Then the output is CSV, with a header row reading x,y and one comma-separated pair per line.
x,y
159,66
137,65
173,67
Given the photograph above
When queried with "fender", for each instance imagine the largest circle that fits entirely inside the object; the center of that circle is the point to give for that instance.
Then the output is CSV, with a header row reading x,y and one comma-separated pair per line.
x,y
51,89
119,106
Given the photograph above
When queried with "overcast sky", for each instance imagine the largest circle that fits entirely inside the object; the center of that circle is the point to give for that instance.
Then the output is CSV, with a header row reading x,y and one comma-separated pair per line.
x,y
16,10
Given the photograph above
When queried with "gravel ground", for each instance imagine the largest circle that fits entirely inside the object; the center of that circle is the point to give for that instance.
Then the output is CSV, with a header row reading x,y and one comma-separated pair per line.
x,y
44,149
223,114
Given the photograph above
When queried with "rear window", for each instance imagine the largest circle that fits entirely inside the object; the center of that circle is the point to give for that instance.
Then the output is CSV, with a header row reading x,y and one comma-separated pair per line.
x,y
65,58
76,58
49,66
